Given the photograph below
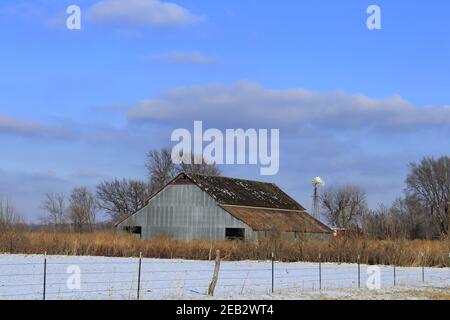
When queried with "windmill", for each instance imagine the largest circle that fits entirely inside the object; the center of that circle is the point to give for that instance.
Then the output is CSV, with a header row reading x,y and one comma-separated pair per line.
x,y
316,182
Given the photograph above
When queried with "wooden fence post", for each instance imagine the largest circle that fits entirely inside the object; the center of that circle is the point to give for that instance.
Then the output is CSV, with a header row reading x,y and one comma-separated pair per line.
x,y
215,277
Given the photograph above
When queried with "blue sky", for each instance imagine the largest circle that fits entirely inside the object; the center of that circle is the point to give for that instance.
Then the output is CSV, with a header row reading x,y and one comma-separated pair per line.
x,y
353,105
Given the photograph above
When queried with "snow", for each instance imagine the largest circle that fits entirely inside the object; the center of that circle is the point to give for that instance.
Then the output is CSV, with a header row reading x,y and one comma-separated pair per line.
x,y
22,277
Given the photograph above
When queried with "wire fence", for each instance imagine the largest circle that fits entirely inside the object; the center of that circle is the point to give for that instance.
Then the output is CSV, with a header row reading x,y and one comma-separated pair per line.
x,y
42,277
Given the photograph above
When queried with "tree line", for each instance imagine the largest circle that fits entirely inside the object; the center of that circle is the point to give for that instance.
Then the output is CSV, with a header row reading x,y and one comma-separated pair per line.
x,y
118,198
422,212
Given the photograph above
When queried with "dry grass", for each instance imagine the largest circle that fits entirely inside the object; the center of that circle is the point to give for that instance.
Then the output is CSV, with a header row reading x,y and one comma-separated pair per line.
x,y
394,294
388,252
431,294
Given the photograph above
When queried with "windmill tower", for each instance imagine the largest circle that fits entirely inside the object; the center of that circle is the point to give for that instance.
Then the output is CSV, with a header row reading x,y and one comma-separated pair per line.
x,y
316,182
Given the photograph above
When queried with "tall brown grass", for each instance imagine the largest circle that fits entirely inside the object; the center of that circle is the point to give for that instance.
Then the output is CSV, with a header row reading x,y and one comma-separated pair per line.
x,y
387,252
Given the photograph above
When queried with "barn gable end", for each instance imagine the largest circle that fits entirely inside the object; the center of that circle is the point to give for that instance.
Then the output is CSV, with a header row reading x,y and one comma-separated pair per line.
x,y
182,210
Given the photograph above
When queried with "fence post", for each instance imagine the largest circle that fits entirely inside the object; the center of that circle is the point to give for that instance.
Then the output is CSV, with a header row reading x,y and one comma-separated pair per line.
x,y
320,272
45,276
215,277
423,274
449,254
359,271
139,277
273,272
423,267
395,275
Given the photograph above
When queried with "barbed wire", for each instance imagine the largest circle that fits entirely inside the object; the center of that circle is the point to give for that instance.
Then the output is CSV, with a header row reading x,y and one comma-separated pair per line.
x,y
327,276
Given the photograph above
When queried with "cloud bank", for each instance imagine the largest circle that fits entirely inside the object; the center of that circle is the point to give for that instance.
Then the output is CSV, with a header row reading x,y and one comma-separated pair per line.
x,y
14,126
141,12
247,103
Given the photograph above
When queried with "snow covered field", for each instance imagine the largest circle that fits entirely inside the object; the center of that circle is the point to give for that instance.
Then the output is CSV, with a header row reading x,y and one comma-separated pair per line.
x,y
22,277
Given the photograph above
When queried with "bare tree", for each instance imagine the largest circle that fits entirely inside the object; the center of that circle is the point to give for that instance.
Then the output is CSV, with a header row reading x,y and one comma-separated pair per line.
x,y
55,208
201,168
121,198
83,209
9,217
344,206
405,219
374,224
429,183
161,168
386,222
413,221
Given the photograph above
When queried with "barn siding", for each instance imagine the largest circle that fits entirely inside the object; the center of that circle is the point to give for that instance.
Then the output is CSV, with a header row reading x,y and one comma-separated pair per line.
x,y
185,212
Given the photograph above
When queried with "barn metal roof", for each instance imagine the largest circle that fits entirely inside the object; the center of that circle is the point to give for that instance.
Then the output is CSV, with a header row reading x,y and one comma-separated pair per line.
x,y
262,206
244,192
261,219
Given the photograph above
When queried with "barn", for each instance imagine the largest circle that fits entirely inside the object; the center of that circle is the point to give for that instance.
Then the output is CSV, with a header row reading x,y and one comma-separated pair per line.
x,y
194,206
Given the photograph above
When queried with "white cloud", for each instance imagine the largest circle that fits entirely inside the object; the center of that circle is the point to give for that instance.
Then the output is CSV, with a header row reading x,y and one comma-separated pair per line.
x,y
249,104
197,58
141,12
10,125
